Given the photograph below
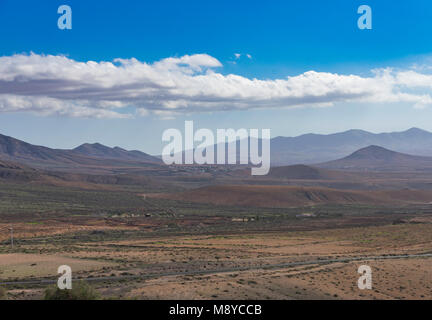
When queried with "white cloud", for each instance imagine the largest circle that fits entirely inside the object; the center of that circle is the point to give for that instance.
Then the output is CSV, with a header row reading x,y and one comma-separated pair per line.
x,y
48,84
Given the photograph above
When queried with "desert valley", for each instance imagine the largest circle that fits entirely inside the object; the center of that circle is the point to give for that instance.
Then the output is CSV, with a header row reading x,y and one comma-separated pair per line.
x,y
134,228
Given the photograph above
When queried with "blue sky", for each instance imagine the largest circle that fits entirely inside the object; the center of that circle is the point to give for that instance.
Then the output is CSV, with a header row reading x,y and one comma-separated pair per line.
x,y
283,38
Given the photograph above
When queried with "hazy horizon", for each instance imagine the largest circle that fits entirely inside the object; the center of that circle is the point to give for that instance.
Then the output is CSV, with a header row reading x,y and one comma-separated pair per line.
x,y
158,154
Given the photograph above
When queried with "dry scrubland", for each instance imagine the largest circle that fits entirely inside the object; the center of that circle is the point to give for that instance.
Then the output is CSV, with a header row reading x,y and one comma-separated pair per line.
x,y
181,233
289,196
320,264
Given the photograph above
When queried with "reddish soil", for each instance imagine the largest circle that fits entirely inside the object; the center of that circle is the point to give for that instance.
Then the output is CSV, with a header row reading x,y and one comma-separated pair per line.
x,y
288,196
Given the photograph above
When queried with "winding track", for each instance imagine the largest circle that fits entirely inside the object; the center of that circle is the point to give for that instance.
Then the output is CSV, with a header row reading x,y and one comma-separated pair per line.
x,y
226,270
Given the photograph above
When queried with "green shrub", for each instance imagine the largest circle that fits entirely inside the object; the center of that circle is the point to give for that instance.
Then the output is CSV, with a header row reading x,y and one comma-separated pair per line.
x,y
79,291
3,293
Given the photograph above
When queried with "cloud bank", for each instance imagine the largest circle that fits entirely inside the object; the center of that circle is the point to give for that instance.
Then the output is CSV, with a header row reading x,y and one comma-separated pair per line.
x,y
47,85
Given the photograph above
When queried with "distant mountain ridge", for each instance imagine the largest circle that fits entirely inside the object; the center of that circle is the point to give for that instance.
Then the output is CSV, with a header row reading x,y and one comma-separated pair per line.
x,y
308,149
15,150
100,151
316,148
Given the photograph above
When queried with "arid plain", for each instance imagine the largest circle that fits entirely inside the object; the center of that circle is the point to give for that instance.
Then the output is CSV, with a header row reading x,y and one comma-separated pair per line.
x,y
149,231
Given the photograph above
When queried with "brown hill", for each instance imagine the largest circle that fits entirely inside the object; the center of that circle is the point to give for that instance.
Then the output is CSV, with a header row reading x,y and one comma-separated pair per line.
x,y
6,165
11,172
296,172
289,196
16,172
375,158
303,172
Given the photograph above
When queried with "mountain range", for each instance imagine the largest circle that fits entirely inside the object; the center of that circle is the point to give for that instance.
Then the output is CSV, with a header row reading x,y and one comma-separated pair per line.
x,y
86,155
349,150
317,148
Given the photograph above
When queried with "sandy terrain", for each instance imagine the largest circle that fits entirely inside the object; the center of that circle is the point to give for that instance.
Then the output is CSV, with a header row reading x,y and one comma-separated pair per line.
x,y
18,266
272,265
